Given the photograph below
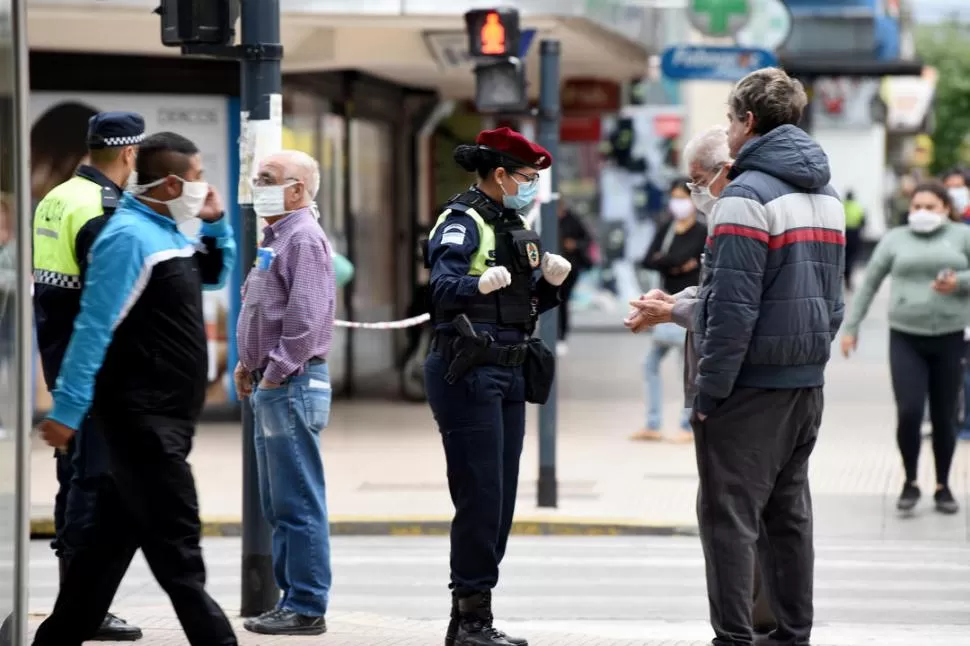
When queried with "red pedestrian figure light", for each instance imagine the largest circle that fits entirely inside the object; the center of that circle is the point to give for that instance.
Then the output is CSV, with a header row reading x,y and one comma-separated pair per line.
x,y
493,35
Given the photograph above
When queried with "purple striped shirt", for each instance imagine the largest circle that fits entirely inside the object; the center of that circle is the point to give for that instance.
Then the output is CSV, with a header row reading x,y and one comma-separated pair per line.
x,y
288,299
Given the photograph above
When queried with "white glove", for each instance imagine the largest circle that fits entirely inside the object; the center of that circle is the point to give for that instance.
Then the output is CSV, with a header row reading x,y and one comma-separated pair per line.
x,y
494,278
555,269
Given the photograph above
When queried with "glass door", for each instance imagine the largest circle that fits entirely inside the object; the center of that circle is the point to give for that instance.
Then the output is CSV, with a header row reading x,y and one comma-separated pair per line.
x,y
372,212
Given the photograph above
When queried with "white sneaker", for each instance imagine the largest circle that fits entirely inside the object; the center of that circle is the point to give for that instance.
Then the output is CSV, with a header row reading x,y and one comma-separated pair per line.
x,y
562,349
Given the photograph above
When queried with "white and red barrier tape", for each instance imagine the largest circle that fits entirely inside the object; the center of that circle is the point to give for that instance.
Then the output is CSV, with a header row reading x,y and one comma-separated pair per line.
x,y
386,325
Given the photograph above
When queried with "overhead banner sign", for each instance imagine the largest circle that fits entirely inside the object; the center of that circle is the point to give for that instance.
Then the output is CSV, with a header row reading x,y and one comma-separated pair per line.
x,y
699,63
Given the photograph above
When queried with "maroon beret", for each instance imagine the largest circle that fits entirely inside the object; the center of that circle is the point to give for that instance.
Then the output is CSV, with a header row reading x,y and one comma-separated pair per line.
x,y
516,147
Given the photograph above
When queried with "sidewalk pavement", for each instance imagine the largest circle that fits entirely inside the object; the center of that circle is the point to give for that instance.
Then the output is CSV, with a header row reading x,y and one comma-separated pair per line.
x,y
386,472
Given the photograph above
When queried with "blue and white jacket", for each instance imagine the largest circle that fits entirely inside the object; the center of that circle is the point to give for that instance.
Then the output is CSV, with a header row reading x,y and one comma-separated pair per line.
x,y
139,342
771,298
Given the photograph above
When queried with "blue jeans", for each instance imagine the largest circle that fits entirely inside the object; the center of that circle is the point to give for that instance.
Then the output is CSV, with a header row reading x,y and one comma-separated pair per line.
x,y
655,389
293,493
81,470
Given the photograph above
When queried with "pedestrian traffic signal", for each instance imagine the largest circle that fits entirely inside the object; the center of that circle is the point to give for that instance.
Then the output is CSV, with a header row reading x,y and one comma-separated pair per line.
x,y
500,86
493,32
198,22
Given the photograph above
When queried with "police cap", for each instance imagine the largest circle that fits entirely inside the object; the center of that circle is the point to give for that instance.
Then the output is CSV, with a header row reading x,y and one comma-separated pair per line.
x,y
510,144
115,129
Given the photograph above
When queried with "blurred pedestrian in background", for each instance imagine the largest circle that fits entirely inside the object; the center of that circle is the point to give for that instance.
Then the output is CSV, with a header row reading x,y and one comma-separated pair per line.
x,y
137,359
284,334
955,182
855,222
675,254
929,265
574,242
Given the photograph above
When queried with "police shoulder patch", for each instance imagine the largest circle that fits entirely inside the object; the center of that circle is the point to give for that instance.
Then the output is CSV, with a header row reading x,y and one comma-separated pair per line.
x,y
533,251
453,234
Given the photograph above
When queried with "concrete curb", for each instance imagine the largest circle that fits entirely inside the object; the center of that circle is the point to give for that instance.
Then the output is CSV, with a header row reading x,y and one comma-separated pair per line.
x,y
43,528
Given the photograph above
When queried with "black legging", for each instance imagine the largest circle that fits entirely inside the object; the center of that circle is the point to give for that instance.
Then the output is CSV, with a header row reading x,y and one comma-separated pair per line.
x,y
921,365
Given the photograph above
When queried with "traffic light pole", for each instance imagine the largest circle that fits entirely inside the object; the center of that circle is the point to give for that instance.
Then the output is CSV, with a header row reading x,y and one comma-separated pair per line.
x,y
261,84
549,322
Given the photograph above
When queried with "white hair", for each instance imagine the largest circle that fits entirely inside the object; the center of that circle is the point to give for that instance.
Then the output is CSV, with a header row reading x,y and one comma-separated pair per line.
x,y
709,149
304,168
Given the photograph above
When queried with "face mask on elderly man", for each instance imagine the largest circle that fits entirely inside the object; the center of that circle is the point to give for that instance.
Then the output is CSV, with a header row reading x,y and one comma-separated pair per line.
x,y
270,201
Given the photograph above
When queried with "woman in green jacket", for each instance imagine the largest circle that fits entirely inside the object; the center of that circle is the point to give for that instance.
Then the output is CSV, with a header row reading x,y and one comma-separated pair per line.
x,y
929,263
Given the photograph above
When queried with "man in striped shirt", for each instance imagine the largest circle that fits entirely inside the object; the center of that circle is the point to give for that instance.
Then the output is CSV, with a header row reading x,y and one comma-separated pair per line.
x,y
284,334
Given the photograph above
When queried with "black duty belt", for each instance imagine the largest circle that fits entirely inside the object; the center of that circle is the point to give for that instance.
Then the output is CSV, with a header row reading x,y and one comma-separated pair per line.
x,y
257,375
505,356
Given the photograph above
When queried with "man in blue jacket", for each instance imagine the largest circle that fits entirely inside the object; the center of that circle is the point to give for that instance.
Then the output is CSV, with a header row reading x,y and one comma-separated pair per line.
x,y
137,362
770,307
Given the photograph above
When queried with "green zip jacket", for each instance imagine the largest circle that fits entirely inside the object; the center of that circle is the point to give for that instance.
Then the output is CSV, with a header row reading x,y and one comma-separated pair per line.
x,y
913,261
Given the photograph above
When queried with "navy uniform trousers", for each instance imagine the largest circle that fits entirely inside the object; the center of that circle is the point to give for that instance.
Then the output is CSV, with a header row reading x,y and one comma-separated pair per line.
x,y
482,423
81,472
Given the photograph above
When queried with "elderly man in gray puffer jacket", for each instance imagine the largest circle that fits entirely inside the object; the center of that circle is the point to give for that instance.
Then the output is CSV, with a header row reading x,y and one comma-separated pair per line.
x,y
708,163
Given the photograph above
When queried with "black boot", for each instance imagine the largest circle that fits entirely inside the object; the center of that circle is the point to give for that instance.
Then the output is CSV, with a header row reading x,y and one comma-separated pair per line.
x,y
452,631
475,623
516,641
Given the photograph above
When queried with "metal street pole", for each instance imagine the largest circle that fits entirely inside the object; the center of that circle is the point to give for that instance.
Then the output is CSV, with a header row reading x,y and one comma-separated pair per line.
x,y
261,83
549,322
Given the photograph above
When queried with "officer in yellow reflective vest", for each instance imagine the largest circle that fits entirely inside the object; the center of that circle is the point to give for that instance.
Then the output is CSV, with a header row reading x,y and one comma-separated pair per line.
x,y
489,283
66,223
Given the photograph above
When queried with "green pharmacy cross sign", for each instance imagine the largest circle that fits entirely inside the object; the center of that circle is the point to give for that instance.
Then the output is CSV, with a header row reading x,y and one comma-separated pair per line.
x,y
718,17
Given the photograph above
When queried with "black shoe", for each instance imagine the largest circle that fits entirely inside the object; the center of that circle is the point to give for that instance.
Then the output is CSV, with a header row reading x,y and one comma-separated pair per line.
x,y
475,622
452,631
945,502
287,622
115,629
909,497
252,621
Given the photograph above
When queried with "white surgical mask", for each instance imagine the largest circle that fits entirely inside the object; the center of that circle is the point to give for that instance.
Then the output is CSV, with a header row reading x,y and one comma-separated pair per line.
x,y
270,201
961,198
702,197
183,208
681,208
923,221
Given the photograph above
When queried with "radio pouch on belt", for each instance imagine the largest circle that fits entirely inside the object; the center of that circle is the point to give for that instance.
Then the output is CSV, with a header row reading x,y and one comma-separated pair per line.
x,y
539,371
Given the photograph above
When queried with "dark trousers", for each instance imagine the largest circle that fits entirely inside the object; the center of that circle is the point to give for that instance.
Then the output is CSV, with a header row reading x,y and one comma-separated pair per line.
x,y
752,459
922,365
565,293
149,503
482,423
81,472
853,244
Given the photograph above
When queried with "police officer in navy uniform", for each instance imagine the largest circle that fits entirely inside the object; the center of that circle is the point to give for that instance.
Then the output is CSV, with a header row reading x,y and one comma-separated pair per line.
x,y
489,283
66,223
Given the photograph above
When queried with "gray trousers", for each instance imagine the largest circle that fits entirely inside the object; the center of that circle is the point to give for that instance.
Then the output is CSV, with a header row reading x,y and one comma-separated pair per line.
x,y
752,460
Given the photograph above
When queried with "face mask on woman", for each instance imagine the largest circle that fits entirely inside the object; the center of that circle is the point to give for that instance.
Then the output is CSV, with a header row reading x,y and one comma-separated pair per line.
x,y
525,193
925,221
961,198
681,207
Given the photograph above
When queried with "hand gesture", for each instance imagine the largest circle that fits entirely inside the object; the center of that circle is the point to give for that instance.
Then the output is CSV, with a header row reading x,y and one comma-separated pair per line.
x,y
946,282
494,278
213,208
55,433
647,313
243,381
555,268
849,344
